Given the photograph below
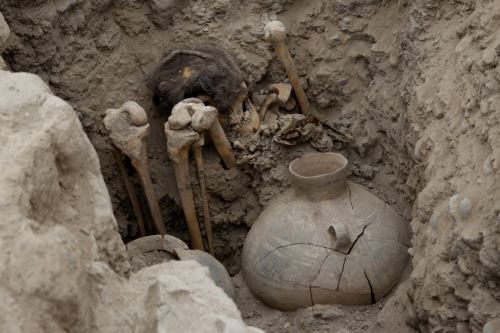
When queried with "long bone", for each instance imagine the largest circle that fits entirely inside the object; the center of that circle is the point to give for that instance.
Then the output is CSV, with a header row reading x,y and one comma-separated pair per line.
x,y
205,118
279,93
178,144
128,128
275,32
136,207
198,157
202,120
222,144
188,122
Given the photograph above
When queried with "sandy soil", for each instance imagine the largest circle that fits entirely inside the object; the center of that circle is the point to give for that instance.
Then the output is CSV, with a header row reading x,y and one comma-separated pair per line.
x,y
319,318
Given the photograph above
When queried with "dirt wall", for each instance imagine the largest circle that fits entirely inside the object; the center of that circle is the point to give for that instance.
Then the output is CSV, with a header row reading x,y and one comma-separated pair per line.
x,y
453,105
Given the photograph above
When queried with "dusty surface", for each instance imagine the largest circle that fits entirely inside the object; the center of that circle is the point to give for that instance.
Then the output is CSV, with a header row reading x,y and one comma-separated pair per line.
x,y
454,116
63,266
319,318
416,82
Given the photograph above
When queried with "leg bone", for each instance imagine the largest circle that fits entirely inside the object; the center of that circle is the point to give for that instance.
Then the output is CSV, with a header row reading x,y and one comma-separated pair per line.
x,y
128,130
178,144
205,118
222,144
136,207
197,146
275,32
142,167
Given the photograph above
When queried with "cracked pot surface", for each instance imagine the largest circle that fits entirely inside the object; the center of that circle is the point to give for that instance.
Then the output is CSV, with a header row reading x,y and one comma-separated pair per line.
x,y
324,241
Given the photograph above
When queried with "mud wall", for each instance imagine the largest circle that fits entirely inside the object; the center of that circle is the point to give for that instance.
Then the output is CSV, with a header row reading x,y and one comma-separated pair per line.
x,y
452,92
415,82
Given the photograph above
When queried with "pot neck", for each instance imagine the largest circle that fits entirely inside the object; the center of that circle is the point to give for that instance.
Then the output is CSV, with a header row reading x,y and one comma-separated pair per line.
x,y
319,175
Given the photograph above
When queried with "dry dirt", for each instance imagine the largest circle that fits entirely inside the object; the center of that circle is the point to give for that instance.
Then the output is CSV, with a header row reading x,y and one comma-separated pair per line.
x,y
417,83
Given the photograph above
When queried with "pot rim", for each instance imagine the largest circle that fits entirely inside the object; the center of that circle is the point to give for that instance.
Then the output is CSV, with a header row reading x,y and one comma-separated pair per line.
x,y
340,159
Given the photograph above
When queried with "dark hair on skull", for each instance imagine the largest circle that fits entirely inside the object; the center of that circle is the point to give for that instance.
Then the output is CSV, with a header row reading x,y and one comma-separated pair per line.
x,y
189,72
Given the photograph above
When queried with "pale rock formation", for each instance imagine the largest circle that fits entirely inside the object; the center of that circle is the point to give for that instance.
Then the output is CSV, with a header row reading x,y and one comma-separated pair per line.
x,y
4,34
4,31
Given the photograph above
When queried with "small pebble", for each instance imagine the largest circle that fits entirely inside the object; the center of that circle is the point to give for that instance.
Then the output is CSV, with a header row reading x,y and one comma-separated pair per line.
x,y
493,326
488,166
238,145
463,328
464,208
459,207
433,221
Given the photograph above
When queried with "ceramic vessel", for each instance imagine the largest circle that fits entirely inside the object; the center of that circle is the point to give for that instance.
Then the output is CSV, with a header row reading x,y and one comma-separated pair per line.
x,y
172,248
325,240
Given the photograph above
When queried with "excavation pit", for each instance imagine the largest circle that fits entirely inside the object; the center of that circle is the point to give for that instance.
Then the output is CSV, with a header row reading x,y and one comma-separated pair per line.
x,y
381,81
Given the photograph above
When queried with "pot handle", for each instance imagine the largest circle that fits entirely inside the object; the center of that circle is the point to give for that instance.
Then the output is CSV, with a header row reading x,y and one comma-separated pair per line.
x,y
342,242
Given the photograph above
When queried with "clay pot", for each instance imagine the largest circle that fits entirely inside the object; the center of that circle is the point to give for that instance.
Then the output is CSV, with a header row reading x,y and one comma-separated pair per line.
x,y
325,240
155,249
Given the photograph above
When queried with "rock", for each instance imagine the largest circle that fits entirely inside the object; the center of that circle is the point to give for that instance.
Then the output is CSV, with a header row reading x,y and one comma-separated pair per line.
x,y
53,175
64,5
491,53
217,271
4,35
63,265
463,328
327,312
433,221
492,326
489,166
3,65
4,31
464,208
352,25
163,11
181,297
490,57
459,207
